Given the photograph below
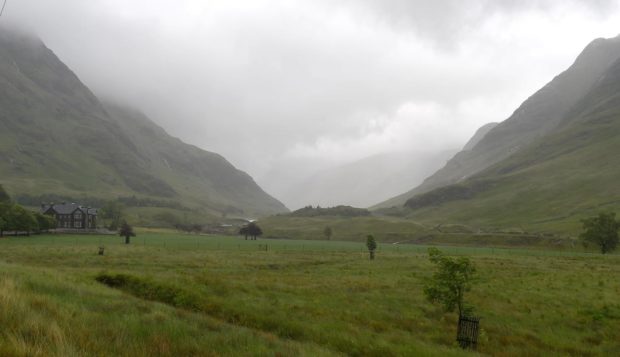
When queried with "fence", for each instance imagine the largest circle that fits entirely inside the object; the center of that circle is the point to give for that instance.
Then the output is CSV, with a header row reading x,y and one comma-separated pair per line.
x,y
467,332
235,243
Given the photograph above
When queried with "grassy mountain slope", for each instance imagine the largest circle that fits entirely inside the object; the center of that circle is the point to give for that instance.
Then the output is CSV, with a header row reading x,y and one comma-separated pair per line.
x,y
479,135
569,174
399,200
57,138
537,116
194,173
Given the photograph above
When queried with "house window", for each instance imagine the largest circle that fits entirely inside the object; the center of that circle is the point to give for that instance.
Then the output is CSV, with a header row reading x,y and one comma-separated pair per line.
x,y
78,224
77,215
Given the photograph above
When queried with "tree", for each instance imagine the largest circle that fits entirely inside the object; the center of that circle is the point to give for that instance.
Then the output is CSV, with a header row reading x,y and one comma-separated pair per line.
x,y
4,217
328,232
244,232
254,230
2,226
450,282
371,244
5,206
126,231
4,197
45,222
196,228
112,211
602,231
21,220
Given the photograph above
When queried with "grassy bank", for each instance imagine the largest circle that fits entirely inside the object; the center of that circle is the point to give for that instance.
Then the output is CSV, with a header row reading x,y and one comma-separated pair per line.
x,y
200,295
388,229
344,228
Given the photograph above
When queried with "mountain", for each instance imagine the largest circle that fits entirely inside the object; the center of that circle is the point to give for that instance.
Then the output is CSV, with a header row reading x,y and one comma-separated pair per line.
x,y
57,139
557,179
360,183
479,135
406,182
538,116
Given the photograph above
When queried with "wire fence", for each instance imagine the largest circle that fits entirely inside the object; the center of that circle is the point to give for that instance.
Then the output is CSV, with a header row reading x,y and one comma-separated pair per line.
x,y
235,243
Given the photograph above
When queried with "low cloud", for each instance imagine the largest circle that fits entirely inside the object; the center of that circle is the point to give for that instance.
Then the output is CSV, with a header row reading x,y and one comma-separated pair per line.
x,y
267,82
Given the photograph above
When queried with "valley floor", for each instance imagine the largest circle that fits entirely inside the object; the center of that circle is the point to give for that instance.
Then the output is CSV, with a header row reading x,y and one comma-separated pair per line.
x,y
179,295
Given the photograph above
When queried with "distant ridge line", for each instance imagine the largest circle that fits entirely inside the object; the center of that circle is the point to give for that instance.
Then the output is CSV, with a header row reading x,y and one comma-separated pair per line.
x,y
3,6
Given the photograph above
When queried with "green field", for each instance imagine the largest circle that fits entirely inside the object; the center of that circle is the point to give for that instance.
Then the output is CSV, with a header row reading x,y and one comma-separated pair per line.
x,y
181,295
401,230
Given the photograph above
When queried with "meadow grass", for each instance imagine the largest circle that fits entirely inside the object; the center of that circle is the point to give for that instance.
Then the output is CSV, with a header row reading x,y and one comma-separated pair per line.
x,y
207,295
388,229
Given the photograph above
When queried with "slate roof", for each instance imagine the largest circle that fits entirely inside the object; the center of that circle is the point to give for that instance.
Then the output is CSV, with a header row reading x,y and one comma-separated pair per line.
x,y
68,208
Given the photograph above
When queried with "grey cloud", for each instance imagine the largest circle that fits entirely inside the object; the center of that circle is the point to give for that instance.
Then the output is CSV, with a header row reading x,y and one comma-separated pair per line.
x,y
445,22
258,80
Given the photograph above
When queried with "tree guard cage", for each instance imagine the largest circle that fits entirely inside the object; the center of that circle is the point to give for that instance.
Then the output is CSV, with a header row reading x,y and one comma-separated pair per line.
x,y
467,332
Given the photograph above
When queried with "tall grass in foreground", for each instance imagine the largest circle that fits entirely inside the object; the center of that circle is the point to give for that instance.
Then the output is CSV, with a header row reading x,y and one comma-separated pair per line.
x,y
43,314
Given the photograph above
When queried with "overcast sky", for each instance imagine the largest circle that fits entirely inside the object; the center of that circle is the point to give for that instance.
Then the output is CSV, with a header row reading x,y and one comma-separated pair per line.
x,y
266,83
